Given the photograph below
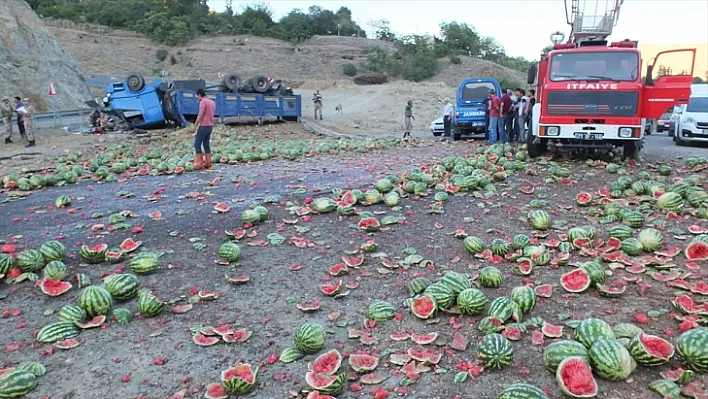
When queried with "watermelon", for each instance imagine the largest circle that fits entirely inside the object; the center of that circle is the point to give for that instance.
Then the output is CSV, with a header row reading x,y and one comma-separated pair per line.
x,y
523,391
457,282
383,185
149,305
520,241
424,307
418,285
611,291
500,307
696,250
331,289
262,213
523,266
551,331
540,220
473,245
558,351
230,251
215,391
33,367
576,281
353,261
424,339
544,290
55,270
122,316
490,325
525,297
122,287
611,360
17,383
539,254
379,310
144,263
93,323
626,330
249,216
309,338
362,363
678,375
129,245
289,355
72,313
54,287
595,271
58,331
692,349
369,224
650,350
591,330
669,201
500,247
339,269
666,388
583,199
495,351
53,251
240,379
327,384
632,246
633,219
575,233
651,239
62,201
93,255
95,300
444,297
202,340
621,232
490,277
372,196
574,377
326,363
30,261
6,262
471,301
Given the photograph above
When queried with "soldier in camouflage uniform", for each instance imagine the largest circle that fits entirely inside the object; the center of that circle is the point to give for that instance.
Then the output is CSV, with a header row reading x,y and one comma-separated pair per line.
x,y
408,119
28,119
7,110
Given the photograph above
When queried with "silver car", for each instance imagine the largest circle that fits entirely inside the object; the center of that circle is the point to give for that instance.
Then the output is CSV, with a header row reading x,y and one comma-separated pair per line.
x,y
437,127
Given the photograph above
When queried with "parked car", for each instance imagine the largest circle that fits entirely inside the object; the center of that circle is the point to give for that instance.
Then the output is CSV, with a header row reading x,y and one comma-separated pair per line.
x,y
692,123
663,122
437,128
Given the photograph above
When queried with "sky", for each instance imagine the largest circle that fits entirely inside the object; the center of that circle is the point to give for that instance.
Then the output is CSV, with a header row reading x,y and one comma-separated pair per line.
x,y
523,27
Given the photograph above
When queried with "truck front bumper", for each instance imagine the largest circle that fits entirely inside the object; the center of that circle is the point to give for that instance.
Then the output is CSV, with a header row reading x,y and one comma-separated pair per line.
x,y
590,133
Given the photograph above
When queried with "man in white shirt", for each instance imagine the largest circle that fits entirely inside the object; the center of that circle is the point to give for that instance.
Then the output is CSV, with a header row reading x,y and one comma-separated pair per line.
x,y
447,119
522,115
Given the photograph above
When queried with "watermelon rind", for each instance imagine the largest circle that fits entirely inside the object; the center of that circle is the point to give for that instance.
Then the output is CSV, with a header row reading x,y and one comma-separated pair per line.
x,y
523,391
309,338
471,301
495,351
576,281
236,385
17,383
574,374
626,330
289,355
362,363
33,367
692,349
57,331
418,285
149,305
638,349
592,330
558,351
666,388
72,313
334,387
610,360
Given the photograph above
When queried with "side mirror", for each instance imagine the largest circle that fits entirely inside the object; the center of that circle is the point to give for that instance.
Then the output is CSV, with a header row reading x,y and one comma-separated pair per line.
x,y
650,75
531,75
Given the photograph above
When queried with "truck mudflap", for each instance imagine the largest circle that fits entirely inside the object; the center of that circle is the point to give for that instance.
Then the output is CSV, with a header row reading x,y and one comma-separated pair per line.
x,y
668,90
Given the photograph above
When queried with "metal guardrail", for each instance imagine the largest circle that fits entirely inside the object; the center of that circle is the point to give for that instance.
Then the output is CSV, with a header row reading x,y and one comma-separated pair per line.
x,y
61,114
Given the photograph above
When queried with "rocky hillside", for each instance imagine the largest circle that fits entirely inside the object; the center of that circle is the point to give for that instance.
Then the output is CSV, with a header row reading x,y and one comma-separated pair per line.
x,y
317,61
30,57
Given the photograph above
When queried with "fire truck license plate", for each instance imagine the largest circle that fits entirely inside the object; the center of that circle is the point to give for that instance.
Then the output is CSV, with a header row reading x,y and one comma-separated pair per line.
x,y
588,136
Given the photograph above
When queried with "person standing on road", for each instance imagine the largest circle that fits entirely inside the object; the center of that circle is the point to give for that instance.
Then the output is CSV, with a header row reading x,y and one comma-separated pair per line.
x,y
496,124
520,130
27,112
485,105
447,120
203,126
317,100
408,119
507,107
20,123
6,112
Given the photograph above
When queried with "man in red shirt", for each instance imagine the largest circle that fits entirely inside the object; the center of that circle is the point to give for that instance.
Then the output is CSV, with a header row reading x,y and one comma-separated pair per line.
x,y
506,114
203,126
495,122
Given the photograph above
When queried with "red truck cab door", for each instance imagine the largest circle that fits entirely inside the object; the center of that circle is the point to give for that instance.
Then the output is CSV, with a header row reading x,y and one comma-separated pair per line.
x,y
666,91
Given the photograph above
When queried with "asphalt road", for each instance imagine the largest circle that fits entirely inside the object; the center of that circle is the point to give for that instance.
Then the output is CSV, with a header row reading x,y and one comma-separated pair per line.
x,y
660,144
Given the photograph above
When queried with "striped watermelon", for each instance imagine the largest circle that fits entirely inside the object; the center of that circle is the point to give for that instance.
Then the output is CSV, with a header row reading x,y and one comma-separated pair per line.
x,y
692,349
501,308
457,282
558,351
6,262
424,306
17,383
611,360
540,220
240,379
443,295
595,271
58,331
380,310
632,246
523,391
473,245
626,330
577,232
471,301
95,300
53,250
633,219
33,367
93,255
621,232
500,247
495,351
72,313
489,325
55,270
651,239
149,305
670,201
309,338
230,251
490,277
418,285
525,297
122,315
144,263
520,241
591,330
122,286
30,261
650,350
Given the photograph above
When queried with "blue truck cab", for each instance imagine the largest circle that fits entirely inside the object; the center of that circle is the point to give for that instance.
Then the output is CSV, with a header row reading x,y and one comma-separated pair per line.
x,y
140,108
469,117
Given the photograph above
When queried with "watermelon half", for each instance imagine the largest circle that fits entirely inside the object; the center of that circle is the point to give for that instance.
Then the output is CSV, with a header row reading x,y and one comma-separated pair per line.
x,y
215,391
54,287
575,378
696,251
362,363
326,363
424,307
650,350
583,199
576,281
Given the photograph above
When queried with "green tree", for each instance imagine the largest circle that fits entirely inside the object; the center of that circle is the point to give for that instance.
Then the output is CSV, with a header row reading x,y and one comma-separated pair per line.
x,y
382,30
295,26
461,38
547,49
160,27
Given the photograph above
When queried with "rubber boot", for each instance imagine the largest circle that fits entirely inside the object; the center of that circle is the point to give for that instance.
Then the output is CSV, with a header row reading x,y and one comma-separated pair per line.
x,y
198,161
30,144
8,141
207,165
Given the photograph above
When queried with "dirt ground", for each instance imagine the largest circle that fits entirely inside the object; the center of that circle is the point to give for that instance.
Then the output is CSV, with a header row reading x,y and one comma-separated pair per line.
x,y
153,358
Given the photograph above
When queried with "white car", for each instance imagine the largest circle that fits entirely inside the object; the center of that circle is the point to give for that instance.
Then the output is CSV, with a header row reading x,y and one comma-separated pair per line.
x,y
437,128
692,121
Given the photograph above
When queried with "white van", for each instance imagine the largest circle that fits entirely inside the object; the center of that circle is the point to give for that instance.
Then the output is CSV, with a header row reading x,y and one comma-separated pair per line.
x,y
692,121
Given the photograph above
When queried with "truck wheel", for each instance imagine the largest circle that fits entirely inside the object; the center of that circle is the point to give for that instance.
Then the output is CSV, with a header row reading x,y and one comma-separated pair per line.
x,y
533,149
231,82
631,150
260,84
135,82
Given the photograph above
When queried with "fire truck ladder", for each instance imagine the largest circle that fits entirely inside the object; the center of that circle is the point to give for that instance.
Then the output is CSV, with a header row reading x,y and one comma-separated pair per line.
x,y
591,24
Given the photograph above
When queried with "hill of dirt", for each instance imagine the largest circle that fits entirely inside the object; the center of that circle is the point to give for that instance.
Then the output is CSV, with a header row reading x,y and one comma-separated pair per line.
x,y
316,62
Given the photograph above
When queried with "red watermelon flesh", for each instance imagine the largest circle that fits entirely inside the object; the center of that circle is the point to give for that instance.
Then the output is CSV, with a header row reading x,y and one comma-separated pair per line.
x,y
583,198
67,343
179,309
338,269
697,251
221,207
353,261
545,290
223,329
202,340
424,339
682,284
368,223
576,281
552,331
241,371
700,288
613,244
54,287
582,242
656,346
400,336
326,363
317,395
349,198
371,379
669,253
612,256
423,306
636,269
697,229
575,377
673,375
331,289
129,245
512,333
363,363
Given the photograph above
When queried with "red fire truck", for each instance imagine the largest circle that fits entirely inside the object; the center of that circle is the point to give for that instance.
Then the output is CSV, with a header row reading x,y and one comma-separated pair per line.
x,y
591,94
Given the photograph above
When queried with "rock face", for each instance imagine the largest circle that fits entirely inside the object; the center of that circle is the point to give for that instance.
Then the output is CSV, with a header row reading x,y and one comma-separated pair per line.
x,y
30,57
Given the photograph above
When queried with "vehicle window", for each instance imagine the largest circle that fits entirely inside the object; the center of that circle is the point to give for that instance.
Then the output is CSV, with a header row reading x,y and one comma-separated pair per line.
x,y
610,65
697,104
665,117
476,91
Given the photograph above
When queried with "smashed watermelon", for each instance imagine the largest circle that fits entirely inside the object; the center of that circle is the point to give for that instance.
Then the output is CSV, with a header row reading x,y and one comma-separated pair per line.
x,y
54,287
576,281
696,251
327,363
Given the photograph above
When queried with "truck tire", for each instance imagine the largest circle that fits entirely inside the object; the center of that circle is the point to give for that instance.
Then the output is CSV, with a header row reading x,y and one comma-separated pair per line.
x,y
260,84
533,149
631,150
232,82
135,82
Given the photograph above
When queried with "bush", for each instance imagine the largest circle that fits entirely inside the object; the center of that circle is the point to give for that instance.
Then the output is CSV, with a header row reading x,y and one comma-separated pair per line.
x,y
161,54
173,60
455,60
371,79
349,69
420,66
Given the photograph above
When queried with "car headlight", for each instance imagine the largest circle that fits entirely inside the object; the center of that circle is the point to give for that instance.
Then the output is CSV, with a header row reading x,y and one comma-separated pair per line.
x,y
689,120
625,132
553,130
